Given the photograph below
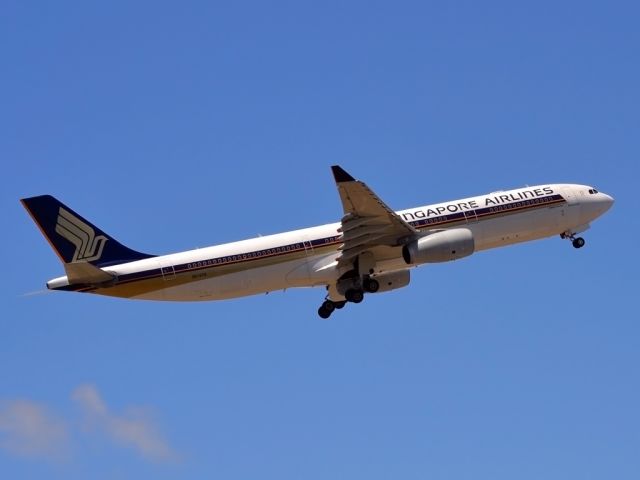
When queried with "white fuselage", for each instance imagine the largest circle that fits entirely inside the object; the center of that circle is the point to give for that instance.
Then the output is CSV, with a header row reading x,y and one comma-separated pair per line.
x,y
307,257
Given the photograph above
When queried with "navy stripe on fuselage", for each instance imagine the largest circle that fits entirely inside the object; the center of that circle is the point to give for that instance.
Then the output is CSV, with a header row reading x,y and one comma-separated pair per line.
x,y
472,214
469,216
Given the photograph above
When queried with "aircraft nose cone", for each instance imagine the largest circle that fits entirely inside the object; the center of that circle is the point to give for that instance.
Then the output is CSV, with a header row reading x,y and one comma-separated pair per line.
x,y
604,202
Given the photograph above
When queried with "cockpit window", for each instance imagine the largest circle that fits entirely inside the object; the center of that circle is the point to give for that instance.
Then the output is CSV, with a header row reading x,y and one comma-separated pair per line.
x,y
592,191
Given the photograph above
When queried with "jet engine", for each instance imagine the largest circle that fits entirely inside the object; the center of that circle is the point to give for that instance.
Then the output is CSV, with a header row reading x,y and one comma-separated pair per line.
x,y
442,246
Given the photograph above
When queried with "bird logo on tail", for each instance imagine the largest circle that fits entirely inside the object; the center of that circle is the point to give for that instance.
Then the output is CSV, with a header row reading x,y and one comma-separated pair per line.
x,y
88,246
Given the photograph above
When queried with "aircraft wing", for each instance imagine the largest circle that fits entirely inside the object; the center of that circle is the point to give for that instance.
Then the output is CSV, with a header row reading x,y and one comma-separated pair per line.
x,y
367,222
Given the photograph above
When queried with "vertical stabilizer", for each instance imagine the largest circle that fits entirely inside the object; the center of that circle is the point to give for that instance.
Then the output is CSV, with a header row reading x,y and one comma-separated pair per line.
x,y
75,239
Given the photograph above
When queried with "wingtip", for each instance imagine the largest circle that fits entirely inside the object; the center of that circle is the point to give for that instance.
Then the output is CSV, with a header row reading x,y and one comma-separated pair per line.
x,y
27,200
341,175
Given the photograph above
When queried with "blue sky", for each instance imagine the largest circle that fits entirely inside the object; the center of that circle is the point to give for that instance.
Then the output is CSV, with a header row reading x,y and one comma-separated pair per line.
x,y
186,124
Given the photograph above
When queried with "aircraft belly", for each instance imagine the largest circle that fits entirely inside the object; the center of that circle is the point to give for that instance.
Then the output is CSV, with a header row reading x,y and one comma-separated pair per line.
x,y
316,270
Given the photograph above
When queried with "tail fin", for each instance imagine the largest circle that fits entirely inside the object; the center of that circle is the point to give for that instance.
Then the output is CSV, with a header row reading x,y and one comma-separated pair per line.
x,y
75,239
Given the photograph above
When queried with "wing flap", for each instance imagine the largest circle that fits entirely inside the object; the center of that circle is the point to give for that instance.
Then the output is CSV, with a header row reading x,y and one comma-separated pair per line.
x,y
367,222
359,201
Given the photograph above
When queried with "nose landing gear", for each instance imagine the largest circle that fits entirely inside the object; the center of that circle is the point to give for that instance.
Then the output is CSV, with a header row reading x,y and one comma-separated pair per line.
x,y
577,242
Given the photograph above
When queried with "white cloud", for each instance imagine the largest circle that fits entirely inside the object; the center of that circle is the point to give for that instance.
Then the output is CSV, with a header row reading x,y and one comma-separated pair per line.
x,y
133,429
88,398
28,429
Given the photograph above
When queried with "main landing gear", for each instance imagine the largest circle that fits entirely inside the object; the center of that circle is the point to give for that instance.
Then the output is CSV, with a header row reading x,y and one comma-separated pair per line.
x,y
355,294
328,306
577,242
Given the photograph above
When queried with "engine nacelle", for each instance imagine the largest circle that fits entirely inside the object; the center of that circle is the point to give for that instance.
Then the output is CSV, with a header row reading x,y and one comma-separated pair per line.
x,y
443,246
393,280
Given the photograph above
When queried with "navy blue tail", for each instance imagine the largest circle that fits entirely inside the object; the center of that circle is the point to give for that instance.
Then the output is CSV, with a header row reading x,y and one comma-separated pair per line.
x,y
75,239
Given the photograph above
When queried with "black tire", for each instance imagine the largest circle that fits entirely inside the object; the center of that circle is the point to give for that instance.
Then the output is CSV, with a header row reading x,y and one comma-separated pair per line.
x,y
354,296
329,306
324,313
339,305
371,285
578,242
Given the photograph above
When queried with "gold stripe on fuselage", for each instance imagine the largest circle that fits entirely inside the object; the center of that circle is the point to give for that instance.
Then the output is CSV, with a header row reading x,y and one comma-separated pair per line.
x,y
132,288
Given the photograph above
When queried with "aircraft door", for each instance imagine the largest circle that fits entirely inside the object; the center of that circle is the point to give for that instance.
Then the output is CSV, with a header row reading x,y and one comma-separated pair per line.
x,y
300,273
168,272
308,248
470,216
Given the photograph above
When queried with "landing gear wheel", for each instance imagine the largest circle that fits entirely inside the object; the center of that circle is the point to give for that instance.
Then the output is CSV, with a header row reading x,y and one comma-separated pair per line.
x,y
326,309
371,285
339,305
578,242
354,296
329,306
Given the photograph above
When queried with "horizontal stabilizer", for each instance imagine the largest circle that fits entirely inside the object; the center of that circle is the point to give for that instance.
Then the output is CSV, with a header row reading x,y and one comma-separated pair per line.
x,y
84,272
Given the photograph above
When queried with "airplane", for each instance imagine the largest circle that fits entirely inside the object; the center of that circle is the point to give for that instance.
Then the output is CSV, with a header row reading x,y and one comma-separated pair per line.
x,y
370,250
